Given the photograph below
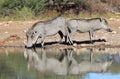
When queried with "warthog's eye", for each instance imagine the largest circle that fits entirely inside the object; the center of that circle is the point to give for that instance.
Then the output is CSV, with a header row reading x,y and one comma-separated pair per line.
x,y
35,31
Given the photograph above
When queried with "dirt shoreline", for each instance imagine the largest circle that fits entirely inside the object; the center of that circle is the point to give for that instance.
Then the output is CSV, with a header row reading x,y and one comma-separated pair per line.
x,y
12,34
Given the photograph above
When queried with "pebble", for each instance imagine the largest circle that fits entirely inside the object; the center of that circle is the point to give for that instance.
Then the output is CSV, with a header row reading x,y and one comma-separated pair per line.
x,y
9,22
107,43
114,32
118,19
10,41
103,37
83,45
25,31
119,27
6,32
1,23
111,19
75,44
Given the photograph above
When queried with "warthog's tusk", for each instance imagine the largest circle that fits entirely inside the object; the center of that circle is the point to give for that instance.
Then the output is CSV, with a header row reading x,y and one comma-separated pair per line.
x,y
25,42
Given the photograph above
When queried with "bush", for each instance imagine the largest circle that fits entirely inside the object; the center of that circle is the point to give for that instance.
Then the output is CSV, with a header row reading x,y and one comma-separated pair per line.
x,y
114,5
96,6
28,9
35,5
24,14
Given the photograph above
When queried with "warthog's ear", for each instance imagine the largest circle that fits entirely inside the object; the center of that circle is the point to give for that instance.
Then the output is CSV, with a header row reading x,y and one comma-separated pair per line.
x,y
101,19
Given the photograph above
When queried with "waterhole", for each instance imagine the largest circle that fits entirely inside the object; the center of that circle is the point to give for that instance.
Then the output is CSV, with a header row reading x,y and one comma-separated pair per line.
x,y
55,63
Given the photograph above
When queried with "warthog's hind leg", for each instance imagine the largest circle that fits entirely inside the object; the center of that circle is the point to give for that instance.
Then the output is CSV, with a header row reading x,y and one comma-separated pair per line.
x,y
91,36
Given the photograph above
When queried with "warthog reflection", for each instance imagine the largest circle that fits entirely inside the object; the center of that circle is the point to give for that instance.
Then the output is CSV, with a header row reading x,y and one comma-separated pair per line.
x,y
66,64
45,64
87,66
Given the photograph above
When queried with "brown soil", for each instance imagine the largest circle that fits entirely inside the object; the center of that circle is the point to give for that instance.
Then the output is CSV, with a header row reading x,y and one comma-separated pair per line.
x,y
12,33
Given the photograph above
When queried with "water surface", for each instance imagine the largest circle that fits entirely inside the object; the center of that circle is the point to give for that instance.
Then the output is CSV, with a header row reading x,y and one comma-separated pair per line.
x,y
52,63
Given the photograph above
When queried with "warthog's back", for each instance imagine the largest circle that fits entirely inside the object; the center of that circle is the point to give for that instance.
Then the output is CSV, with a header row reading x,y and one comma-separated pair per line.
x,y
84,25
53,22
50,27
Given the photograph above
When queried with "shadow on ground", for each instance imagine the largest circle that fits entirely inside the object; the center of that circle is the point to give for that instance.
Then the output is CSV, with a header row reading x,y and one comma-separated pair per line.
x,y
77,42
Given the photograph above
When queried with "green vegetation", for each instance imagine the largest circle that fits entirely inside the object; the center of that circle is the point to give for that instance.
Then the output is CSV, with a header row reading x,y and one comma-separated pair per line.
x,y
21,9
35,9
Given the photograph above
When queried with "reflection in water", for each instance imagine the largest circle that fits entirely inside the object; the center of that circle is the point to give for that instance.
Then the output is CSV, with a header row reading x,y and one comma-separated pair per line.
x,y
45,64
53,63
87,66
66,65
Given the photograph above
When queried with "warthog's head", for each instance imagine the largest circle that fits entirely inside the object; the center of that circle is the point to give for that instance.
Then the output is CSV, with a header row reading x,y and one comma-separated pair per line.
x,y
32,37
105,25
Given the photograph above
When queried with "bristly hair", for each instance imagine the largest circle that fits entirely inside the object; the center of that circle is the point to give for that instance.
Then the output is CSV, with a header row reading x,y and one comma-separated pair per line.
x,y
87,19
92,19
47,21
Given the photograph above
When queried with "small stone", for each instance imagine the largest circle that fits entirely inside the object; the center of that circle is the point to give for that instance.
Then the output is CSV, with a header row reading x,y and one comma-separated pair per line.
x,y
111,19
114,32
6,32
111,41
102,32
9,21
75,44
119,27
1,23
83,45
103,37
118,20
10,41
107,43
6,24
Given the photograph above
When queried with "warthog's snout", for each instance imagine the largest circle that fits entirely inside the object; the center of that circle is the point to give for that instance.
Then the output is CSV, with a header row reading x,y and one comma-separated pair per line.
x,y
29,45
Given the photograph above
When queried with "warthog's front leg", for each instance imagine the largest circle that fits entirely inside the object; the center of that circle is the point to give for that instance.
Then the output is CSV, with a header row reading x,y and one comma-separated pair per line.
x,y
42,41
61,36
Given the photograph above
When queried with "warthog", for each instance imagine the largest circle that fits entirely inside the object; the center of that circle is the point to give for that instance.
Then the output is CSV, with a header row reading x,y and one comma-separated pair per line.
x,y
87,25
44,64
46,28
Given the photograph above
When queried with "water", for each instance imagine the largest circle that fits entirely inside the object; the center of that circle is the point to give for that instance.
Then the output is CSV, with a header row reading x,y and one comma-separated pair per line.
x,y
21,63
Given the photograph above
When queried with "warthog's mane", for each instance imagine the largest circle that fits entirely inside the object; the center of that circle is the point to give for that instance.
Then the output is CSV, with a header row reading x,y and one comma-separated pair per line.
x,y
91,19
87,19
47,21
